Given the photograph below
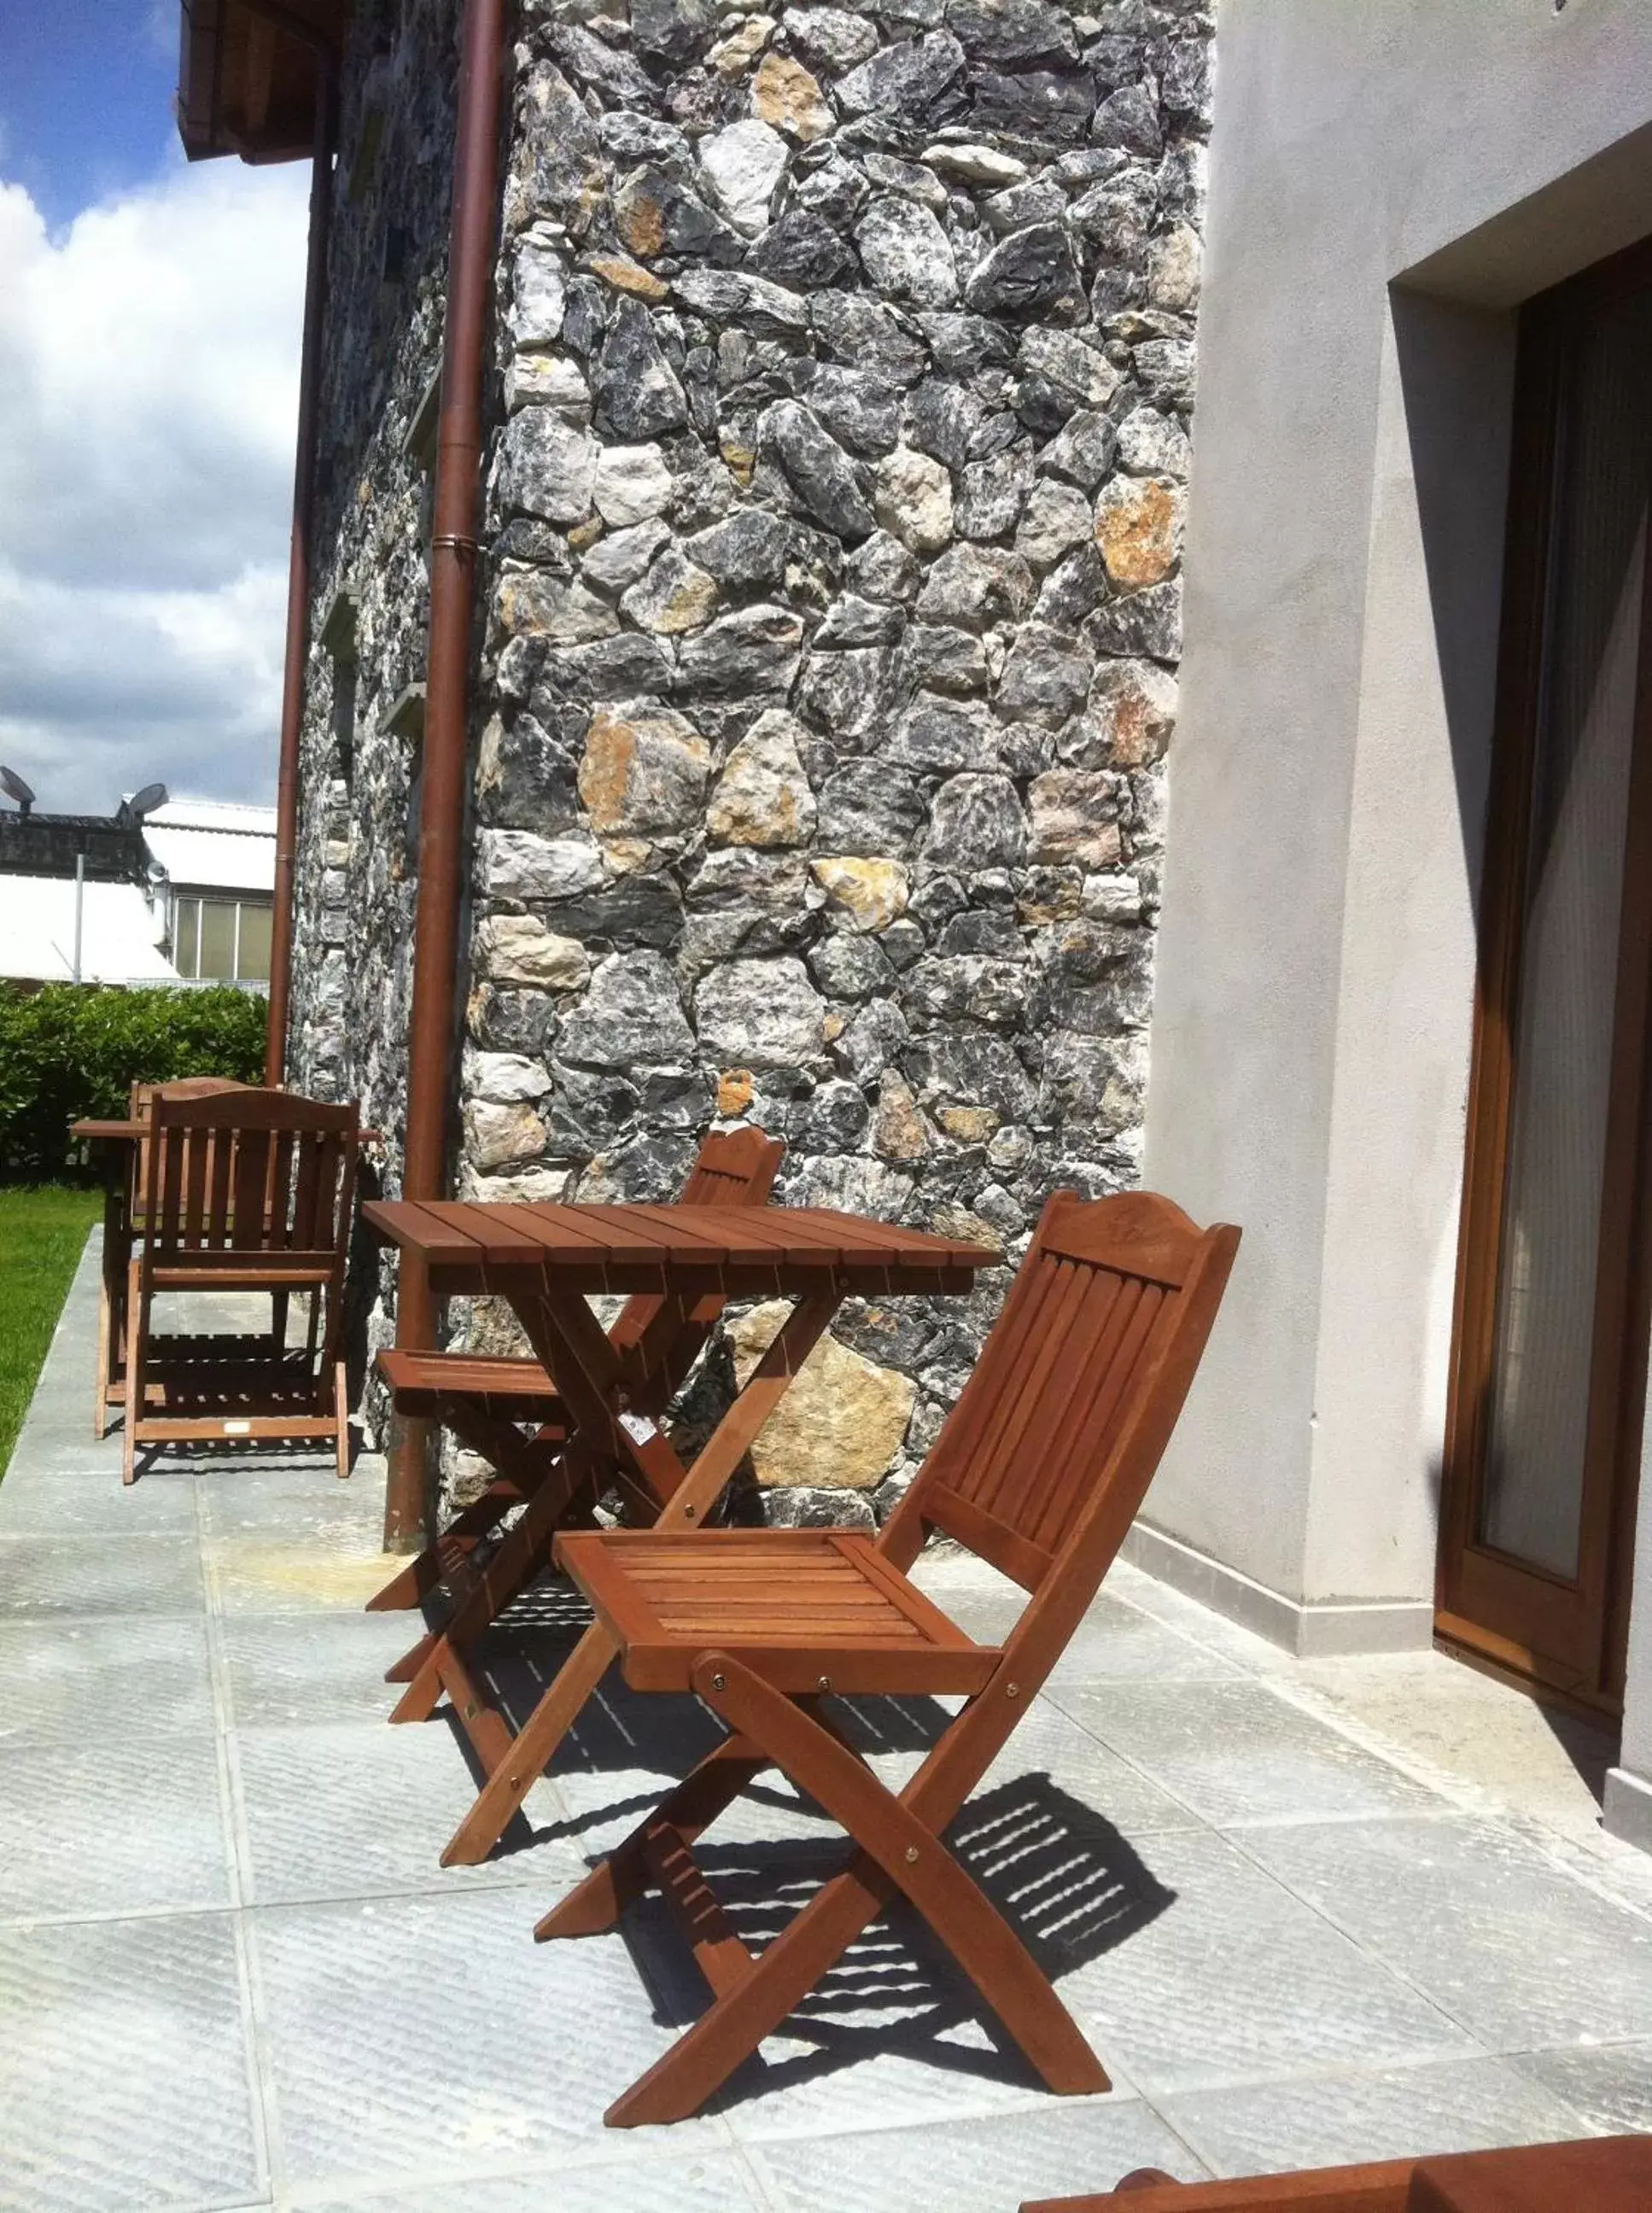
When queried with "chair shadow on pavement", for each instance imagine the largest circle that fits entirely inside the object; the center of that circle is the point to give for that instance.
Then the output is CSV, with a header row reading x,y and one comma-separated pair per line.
x,y
1072,1886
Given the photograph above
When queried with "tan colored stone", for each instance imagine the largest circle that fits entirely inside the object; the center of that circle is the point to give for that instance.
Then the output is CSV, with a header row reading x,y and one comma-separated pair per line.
x,y
735,1090
1074,817
872,893
763,795
1131,714
586,534
1172,269
626,276
897,1130
785,94
518,948
958,1222
971,1125
841,1423
833,1026
732,56
1138,529
740,461
501,1136
623,856
641,773
640,220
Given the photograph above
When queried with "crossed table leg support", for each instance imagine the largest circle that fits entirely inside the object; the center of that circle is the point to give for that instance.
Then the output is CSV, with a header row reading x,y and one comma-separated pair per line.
x,y
595,1383
899,1849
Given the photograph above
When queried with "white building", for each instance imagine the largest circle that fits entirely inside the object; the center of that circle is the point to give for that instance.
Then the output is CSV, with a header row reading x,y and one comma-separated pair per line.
x,y
184,897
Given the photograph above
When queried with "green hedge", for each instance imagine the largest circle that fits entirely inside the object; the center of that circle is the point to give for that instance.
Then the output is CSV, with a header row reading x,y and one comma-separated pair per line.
x,y
73,1049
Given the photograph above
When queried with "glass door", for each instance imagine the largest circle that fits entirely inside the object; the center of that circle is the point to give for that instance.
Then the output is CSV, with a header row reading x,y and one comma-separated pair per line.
x,y
1549,1357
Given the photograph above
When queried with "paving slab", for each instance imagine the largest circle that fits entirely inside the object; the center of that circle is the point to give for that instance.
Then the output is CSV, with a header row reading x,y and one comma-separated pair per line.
x,y
348,1808
123,2069
1608,2086
120,1819
1221,1974
1338,2119
1239,1752
310,1667
972,2167
79,1502
112,1672
716,2182
48,1575
1497,1936
417,2037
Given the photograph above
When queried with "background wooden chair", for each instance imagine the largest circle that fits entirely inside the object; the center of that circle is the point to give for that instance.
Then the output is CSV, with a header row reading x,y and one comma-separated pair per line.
x,y
250,1191
128,1171
1040,1468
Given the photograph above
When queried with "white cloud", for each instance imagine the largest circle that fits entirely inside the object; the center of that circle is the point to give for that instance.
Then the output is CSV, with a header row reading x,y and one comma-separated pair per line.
x,y
149,360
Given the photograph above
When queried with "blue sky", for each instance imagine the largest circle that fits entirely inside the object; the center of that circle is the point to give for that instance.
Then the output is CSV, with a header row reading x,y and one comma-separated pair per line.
x,y
149,322
86,89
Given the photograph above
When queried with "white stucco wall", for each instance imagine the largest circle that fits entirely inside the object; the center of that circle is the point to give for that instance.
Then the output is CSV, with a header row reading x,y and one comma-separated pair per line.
x,y
1388,181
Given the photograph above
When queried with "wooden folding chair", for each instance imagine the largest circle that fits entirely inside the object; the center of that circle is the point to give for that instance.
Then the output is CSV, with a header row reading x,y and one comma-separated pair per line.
x,y
249,1191
658,1340
1040,1468
482,1398
122,1219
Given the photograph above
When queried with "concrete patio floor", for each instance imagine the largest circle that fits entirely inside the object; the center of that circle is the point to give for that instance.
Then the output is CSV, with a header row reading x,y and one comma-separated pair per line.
x,y
1307,1912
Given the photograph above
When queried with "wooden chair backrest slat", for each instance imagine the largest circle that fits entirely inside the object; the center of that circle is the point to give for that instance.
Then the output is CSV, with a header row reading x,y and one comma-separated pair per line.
x,y
141,1097
249,1172
734,1167
1090,1343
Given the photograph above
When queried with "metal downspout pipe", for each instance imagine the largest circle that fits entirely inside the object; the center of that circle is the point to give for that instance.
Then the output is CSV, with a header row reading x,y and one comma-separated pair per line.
x,y
454,548
298,564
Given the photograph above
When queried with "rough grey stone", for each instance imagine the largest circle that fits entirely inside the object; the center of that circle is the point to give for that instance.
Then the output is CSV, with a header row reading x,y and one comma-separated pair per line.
x,y
743,164
830,38
969,1068
865,333
820,472
631,1016
905,251
861,410
730,296
546,467
801,250
517,864
1129,119
884,569
760,1014
849,967
674,31
637,394
1046,677
939,736
754,650
876,1036
937,657
1056,519
1152,445
916,82
842,690
1082,452
834,1118
1031,272
941,418
1147,622
1019,33
975,823
993,494
977,585
869,808
617,560
1053,105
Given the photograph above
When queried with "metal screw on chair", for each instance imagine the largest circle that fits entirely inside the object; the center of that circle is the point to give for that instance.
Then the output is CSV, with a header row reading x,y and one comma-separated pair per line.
x,y
1012,1689
688,1514
824,1683
911,1852
719,1683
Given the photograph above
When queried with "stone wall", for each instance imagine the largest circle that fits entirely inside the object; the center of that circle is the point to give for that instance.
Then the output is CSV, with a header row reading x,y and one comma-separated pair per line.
x,y
845,368
357,858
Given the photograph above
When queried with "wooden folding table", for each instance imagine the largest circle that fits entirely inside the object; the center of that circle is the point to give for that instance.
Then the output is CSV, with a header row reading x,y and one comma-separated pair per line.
x,y
546,1261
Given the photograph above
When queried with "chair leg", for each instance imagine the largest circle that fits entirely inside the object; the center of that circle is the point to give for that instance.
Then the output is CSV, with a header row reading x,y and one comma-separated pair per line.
x,y
341,1414
897,1851
278,1320
135,1319
106,1340
532,1750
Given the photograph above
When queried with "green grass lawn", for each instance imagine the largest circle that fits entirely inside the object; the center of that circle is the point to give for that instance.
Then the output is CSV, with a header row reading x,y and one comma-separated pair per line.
x,y
42,1230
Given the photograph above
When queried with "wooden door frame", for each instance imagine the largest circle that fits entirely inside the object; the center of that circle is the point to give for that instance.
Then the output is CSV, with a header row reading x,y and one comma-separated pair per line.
x,y
1477,1586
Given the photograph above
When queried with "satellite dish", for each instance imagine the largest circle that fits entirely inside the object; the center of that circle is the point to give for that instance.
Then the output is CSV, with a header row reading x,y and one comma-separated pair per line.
x,y
145,802
14,787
